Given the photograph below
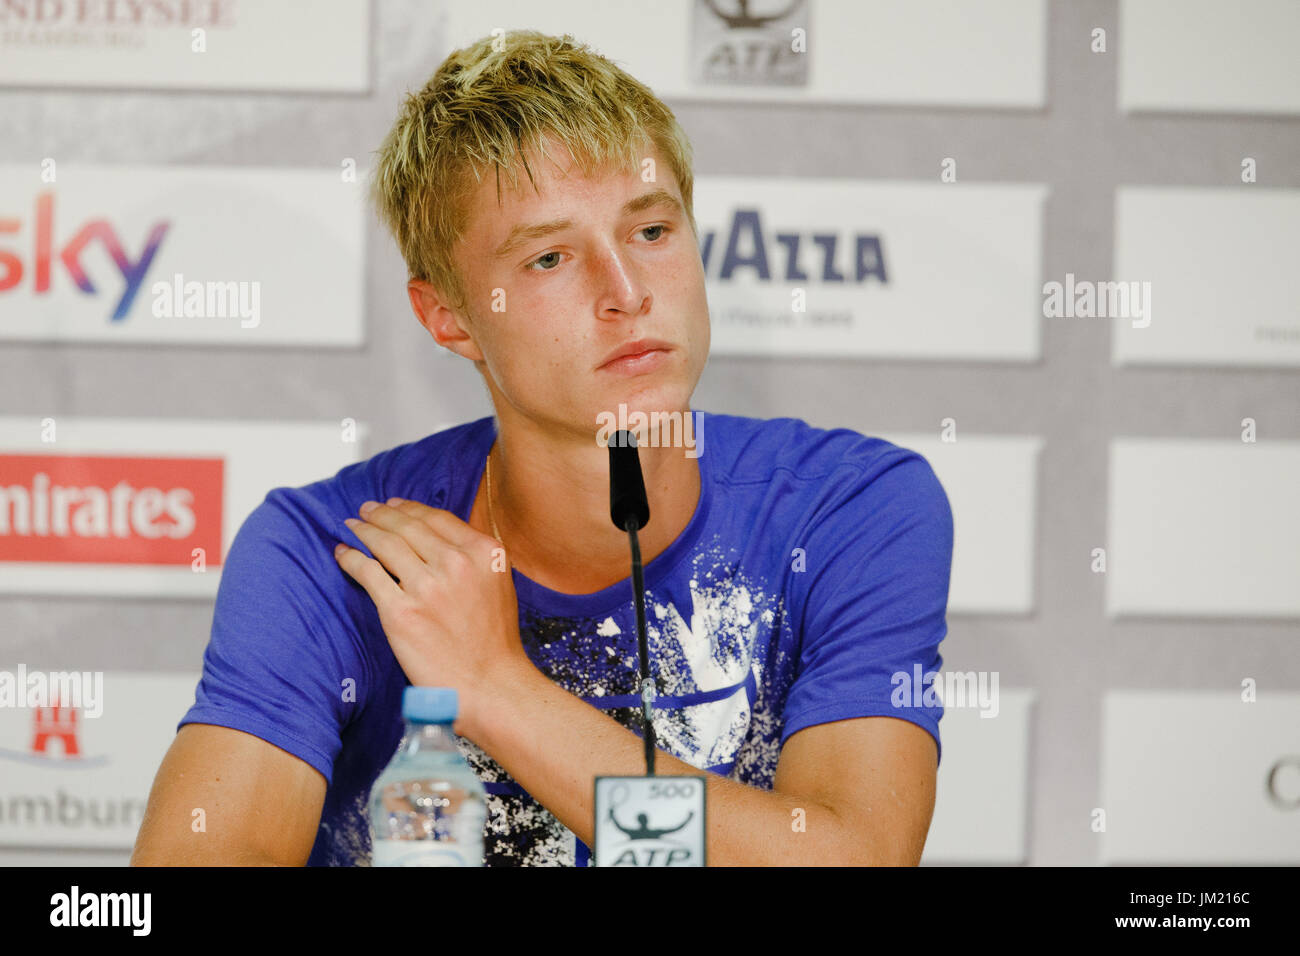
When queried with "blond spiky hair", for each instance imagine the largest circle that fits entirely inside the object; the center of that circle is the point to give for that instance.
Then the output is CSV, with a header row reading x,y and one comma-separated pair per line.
x,y
488,105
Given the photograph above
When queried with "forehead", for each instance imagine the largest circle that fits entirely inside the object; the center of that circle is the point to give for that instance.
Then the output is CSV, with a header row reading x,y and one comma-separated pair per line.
x,y
494,217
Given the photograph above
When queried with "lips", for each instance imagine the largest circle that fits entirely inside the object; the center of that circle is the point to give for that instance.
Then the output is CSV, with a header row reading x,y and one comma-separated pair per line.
x,y
636,348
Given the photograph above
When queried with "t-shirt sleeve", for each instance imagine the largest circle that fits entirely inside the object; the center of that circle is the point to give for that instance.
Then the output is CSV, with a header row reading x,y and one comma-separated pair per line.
x,y
875,594
283,645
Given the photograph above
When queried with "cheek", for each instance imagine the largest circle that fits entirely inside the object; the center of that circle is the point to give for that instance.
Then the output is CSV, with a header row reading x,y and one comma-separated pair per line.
x,y
535,352
701,323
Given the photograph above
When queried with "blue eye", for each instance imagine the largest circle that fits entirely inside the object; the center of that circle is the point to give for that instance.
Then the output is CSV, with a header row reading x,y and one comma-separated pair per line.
x,y
540,258
555,255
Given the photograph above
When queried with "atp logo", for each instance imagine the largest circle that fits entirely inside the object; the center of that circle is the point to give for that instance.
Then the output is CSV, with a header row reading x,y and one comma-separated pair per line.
x,y
669,821
643,831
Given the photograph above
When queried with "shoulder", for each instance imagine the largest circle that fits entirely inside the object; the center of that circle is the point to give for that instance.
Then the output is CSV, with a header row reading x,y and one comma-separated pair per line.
x,y
420,469
837,464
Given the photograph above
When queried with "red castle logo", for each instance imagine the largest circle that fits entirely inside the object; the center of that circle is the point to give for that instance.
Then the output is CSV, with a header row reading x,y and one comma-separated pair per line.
x,y
52,723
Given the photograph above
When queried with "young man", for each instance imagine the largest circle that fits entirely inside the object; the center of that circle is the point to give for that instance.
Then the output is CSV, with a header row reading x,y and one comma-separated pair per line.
x,y
791,572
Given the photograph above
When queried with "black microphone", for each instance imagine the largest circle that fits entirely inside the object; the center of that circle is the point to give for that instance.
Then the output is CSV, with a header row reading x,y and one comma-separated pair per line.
x,y
626,486
629,510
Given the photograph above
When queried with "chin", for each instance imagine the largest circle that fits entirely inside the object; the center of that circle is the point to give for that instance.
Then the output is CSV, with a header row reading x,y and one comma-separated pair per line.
x,y
640,413
653,397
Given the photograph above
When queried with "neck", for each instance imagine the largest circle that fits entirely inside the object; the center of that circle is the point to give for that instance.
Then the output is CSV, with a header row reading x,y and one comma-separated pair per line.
x,y
550,503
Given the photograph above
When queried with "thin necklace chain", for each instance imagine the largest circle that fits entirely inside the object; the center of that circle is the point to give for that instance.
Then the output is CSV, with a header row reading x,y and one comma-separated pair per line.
x,y
493,520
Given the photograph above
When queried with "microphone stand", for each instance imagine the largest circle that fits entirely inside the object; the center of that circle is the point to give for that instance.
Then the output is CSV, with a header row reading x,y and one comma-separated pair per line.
x,y
648,692
629,509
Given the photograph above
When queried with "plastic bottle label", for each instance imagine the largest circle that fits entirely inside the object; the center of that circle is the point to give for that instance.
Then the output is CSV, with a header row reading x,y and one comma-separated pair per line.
x,y
417,853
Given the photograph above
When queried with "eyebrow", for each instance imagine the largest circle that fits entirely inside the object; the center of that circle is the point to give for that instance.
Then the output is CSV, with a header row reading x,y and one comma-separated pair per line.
x,y
521,234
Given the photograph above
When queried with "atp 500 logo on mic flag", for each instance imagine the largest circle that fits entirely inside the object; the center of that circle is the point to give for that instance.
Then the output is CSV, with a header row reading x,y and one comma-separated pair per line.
x,y
650,821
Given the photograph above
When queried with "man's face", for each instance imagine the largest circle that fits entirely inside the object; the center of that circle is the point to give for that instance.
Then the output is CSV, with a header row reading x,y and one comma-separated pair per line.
x,y
578,269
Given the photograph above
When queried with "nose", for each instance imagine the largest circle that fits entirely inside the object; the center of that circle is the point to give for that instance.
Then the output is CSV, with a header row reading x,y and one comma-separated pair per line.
x,y
620,287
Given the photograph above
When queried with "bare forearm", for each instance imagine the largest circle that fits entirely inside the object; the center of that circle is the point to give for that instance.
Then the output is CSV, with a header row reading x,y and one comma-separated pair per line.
x,y
154,856
555,744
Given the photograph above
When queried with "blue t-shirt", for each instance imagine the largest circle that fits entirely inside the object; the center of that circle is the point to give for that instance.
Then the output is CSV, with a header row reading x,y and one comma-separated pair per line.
x,y
814,570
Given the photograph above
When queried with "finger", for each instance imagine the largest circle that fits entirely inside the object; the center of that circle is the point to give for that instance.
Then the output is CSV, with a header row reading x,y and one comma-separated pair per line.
x,y
440,521
422,539
389,548
367,572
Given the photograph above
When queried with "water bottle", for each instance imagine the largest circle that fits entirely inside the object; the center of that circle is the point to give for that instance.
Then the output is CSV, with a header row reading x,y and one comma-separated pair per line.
x,y
427,806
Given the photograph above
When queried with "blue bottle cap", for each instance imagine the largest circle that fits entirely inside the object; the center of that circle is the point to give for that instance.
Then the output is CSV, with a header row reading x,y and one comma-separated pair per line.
x,y
429,705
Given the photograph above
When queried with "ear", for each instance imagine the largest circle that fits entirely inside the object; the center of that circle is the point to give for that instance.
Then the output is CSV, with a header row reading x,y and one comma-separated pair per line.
x,y
444,324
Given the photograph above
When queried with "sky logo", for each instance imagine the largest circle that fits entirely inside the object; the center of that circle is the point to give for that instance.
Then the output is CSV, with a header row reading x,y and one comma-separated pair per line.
x,y
95,232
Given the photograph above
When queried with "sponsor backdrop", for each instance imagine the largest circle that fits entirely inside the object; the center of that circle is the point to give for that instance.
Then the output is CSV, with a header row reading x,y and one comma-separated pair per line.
x,y
1048,245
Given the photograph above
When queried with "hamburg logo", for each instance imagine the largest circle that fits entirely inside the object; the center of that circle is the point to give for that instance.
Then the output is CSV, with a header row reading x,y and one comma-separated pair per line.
x,y
54,738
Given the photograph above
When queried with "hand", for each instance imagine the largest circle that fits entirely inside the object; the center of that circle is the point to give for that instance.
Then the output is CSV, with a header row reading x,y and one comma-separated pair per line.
x,y
452,615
